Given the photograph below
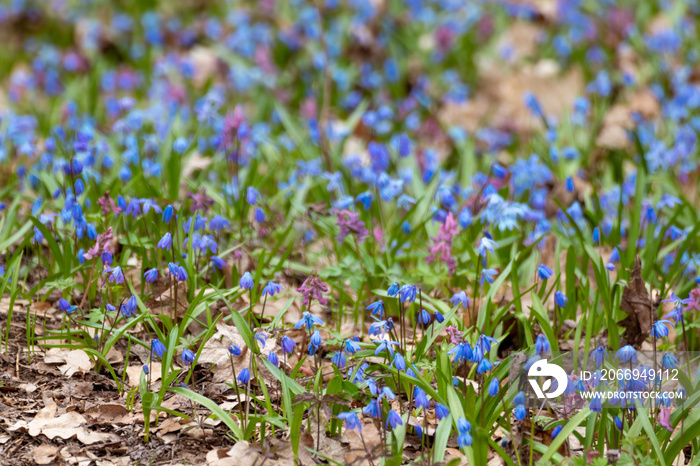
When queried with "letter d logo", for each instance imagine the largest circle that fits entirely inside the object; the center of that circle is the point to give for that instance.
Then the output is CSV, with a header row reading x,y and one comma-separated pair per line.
x,y
542,368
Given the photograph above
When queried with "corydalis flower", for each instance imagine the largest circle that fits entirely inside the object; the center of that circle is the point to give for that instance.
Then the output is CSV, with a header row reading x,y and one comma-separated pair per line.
x,y
103,243
313,288
442,249
350,223
200,201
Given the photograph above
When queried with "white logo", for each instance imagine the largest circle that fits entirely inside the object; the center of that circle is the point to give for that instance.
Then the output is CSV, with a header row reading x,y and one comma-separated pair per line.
x,y
543,369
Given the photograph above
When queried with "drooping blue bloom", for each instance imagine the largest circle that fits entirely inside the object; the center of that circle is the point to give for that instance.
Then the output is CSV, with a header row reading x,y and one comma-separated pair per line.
x,y
218,223
339,359
487,276
352,422
385,345
408,293
544,272
166,242
614,255
129,307
560,299
372,409
441,411
246,282
234,350
542,344
424,317
272,357
484,366
626,354
252,195
439,317
287,344
520,412
533,104
464,440
308,320
316,339
596,404
187,356
377,307
365,199
519,398
618,422
659,329
677,313
486,245
272,289
463,426
399,362
494,385
420,399
63,305
259,215
463,352
596,235
218,262
168,214
393,290
158,348
393,419
669,361
556,431
244,376
351,346
460,298
599,355
116,275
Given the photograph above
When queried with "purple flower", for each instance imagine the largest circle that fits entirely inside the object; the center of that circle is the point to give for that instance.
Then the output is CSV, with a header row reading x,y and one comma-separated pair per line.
x,y
350,223
313,288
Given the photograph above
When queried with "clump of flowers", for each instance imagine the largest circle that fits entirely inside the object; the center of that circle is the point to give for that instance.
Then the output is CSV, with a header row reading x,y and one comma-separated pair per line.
x,y
350,223
442,247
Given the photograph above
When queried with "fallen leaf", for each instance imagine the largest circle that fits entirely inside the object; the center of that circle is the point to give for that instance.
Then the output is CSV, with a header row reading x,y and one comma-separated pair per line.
x,y
73,361
44,454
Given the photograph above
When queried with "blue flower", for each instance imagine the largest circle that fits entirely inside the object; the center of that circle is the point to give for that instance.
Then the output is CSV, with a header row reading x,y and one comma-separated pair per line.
x,y
544,272
596,403
460,298
393,419
494,385
463,352
272,289
408,293
669,361
659,329
187,356
218,223
627,353
365,199
618,422
560,299
316,339
520,412
372,409
599,355
288,344
385,345
308,320
424,317
272,357
352,422
151,275
487,275
259,215
158,348
439,317
556,431
377,307
519,398
246,281
484,366
393,290
129,306
399,362
117,276
677,313
168,214
614,255
217,262
464,440
252,195
486,245
596,235
463,426
338,359
351,346
420,399
441,411
64,305
542,344
234,350
244,376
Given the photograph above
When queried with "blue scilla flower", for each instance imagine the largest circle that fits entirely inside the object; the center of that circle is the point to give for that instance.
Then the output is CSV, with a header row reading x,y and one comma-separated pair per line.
x,y
272,357
116,275
372,409
244,376
166,242
596,235
217,262
408,293
463,426
234,350
385,345
659,329
218,223
316,339
393,419
465,218
158,348
424,317
556,431
439,317
486,245
180,145
252,195
168,214
596,403
678,305
399,362
487,276
544,272
339,359
462,352
63,305
365,199
272,289
378,327
352,422
259,215
377,307
494,385
441,411
246,281
460,298
560,299
308,320
542,344
669,361
520,412
386,393
484,366
393,290
420,399
464,440
614,255
350,346
187,356
626,354
287,344
519,398
127,309
533,104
